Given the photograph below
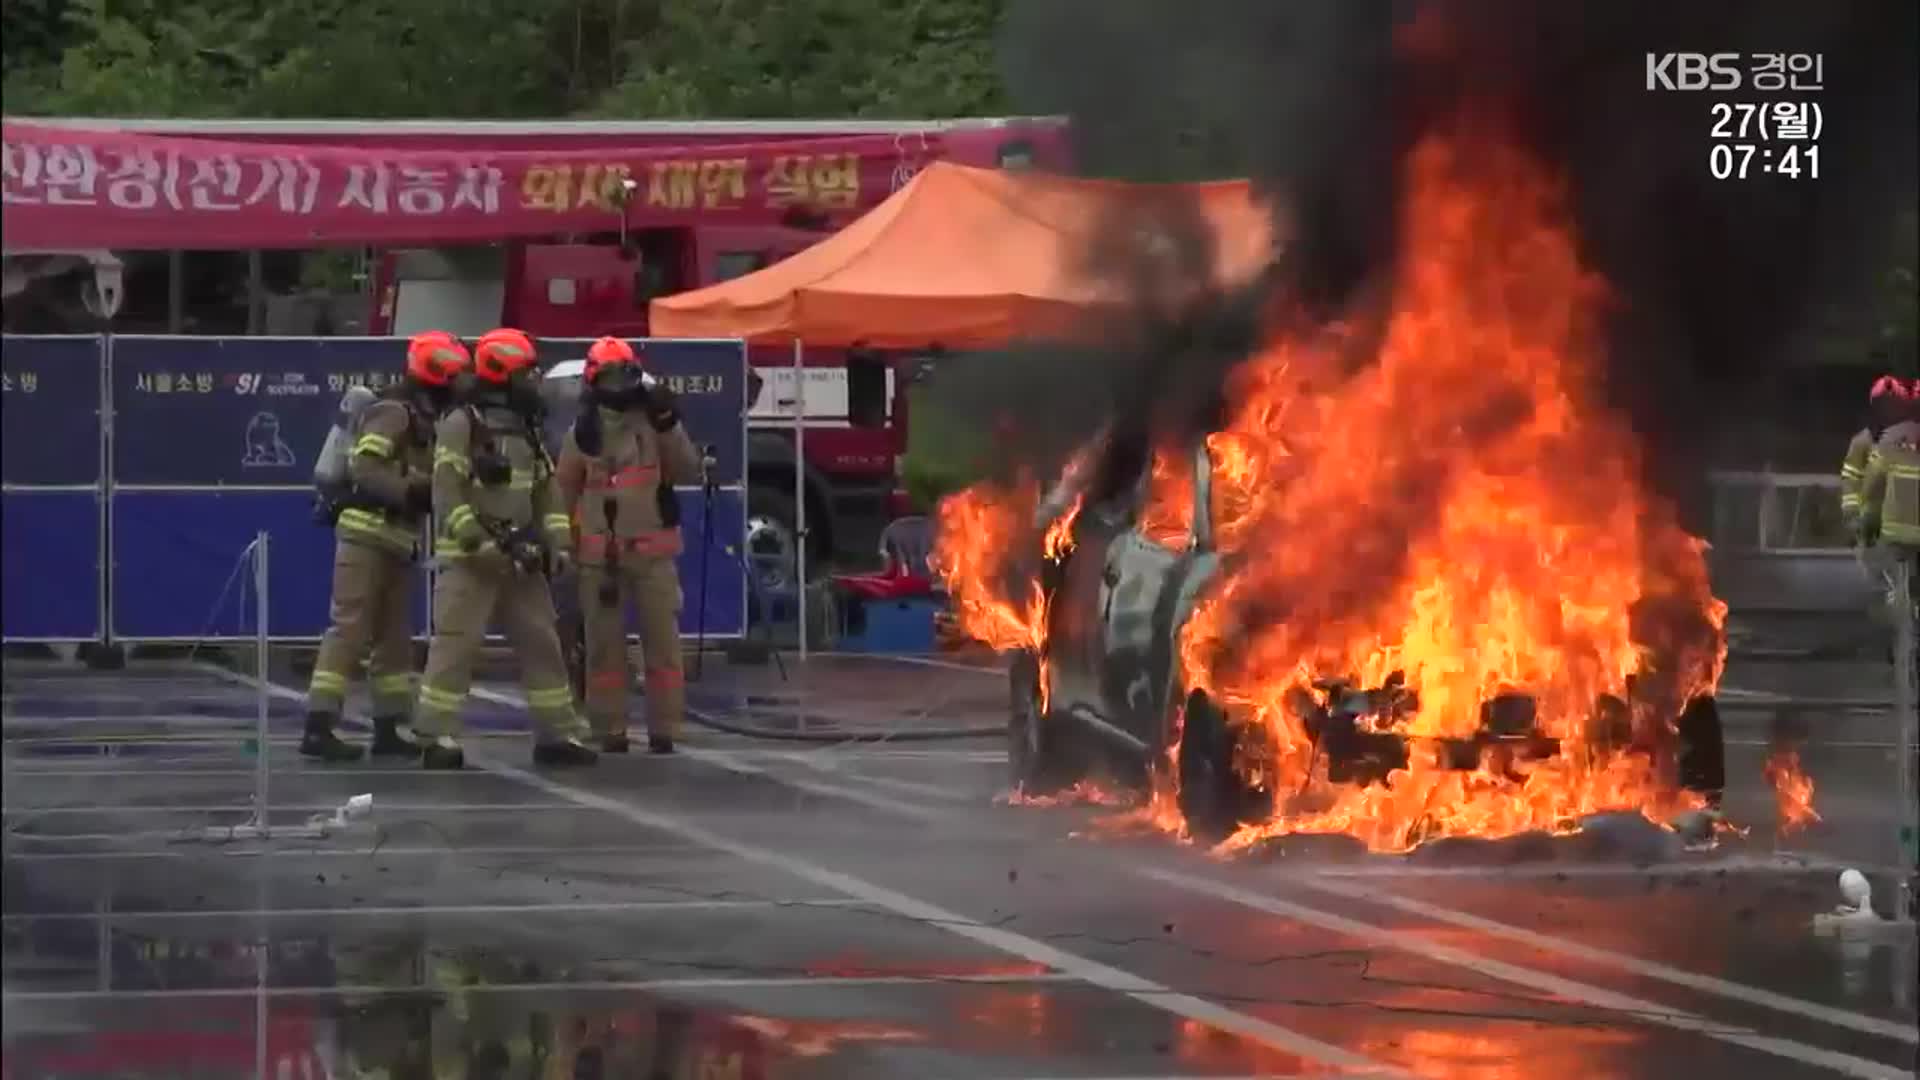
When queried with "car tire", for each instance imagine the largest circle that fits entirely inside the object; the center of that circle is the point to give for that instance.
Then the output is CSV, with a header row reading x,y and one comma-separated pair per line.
x,y
1702,758
1035,762
1212,798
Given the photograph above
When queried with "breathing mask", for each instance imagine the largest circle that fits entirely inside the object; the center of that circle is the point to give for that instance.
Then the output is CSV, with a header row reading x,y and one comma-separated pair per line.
x,y
621,387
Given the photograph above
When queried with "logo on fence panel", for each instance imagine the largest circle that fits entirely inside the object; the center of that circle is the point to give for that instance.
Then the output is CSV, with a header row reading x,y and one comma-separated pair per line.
x,y
265,447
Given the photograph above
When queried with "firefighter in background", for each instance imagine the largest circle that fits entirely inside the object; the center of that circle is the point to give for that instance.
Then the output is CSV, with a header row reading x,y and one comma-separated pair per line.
x,y
1886,406
618,468
390,465
502,534
1890,490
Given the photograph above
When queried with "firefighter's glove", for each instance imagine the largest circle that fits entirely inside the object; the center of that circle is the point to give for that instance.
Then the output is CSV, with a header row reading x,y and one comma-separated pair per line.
x,y
663,408
490,559
420,495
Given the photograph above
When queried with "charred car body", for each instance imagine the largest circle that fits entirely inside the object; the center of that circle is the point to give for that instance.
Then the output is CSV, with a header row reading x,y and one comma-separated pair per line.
x,y
1108,687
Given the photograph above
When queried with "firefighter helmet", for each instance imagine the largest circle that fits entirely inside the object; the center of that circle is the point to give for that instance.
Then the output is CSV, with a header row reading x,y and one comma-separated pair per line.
x,y
1889,386
607,350
435,357
500,353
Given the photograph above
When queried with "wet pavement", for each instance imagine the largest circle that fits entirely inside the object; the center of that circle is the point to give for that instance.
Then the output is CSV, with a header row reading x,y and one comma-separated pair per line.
x,y
821,906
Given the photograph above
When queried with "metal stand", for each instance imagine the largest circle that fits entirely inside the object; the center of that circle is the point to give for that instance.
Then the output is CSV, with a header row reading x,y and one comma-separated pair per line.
x,y
1906,705
800,493
258,825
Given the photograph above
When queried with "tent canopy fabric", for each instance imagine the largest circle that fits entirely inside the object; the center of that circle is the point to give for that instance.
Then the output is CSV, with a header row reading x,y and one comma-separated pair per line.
x,y
974,258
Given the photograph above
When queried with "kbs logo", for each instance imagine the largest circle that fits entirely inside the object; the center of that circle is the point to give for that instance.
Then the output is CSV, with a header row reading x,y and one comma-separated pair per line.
x,y
1693,71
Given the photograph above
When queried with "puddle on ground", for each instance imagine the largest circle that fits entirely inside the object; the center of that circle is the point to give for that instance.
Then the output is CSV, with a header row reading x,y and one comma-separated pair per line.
x,y
377,1005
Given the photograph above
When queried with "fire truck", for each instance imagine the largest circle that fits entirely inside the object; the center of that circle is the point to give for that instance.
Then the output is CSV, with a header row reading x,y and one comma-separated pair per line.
x,y
585,284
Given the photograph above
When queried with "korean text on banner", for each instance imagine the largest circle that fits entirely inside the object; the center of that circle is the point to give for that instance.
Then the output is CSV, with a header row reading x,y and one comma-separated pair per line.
x,y
68,189
211,412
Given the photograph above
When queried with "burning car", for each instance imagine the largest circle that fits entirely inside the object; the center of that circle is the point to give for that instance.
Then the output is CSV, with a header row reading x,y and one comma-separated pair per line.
x,y
1408,583
1120,580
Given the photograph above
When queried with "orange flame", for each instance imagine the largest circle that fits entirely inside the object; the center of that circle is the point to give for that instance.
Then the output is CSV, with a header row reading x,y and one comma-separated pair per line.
x,y
1792,791
1433,490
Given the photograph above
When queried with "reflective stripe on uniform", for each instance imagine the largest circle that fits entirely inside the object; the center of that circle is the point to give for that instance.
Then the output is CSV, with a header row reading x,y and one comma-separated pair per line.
x,y
522,480
327,682
374,524
607,680
560,522
657,542
452,459
551,697
400,683
459,517
665,678
442,700
447,548
374,444
631,476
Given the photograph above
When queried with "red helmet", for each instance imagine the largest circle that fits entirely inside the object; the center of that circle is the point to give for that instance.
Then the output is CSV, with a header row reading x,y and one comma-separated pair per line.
x,y
500,353
435,357
607,350
1889,386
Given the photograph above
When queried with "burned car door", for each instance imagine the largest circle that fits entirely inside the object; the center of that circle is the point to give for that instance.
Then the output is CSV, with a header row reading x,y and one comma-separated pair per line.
x,y
1135,577
1075,632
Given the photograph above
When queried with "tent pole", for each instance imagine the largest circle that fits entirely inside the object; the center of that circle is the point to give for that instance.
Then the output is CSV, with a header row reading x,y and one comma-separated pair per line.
x,y
800,492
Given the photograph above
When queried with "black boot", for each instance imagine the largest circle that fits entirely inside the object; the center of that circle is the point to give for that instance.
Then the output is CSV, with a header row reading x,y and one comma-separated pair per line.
x,y
393,738
442,754
659,744
614,744
566,752
320,741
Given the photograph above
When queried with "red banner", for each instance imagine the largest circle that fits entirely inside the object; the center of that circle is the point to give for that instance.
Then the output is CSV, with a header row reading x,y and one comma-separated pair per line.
x,y
69,189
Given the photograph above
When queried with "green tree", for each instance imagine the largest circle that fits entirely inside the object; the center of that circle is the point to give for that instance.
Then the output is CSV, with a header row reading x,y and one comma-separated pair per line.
x,y
796,58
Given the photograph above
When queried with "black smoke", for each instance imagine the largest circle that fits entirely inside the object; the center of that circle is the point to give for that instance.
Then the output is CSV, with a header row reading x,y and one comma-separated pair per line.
x,y
1721,287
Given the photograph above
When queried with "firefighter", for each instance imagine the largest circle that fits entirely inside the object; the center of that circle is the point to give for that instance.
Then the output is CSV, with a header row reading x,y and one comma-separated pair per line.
x,y
1886,404
377,528
1890,488
618,468
502,534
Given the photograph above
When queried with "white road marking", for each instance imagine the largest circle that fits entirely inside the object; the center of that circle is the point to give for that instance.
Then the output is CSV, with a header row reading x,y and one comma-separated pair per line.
x,y
1097,974
1704,983
802,982
1774,864
240,850
292,770
573,908
831,767
728,761
294,808
1569,989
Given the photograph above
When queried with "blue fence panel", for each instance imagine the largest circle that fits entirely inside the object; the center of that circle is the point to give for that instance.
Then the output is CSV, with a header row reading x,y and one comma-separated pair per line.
x,y
726,586
50,575
215,438
213,412
50,462
50,411
177,572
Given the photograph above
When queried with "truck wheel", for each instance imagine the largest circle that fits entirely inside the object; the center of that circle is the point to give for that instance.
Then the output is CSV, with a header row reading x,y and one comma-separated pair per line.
x,y
1035,762
1212,797
772,538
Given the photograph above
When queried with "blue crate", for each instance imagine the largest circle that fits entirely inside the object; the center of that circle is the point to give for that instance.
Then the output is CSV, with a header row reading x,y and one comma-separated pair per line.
x,y
887,626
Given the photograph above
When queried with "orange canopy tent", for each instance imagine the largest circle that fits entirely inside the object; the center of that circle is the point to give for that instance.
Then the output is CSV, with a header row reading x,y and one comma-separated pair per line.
x,y
967,258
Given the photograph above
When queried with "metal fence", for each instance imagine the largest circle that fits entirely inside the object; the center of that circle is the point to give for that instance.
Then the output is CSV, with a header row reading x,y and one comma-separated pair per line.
x,y
135,466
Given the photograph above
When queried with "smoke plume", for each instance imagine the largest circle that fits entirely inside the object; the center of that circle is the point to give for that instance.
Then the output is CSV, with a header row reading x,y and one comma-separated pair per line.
x,y
1718,285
